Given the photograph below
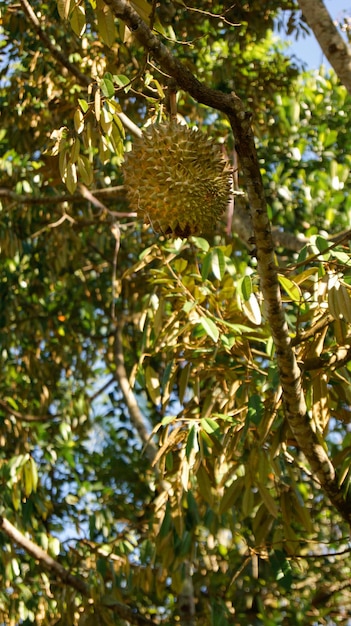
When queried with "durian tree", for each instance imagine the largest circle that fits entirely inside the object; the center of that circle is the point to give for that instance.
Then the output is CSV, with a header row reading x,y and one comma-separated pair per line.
x,y
175,321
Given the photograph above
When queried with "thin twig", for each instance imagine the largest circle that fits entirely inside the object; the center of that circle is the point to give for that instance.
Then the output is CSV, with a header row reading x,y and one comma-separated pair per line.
x,y
76,582
136,415
102,389
26,417
58,222
56,53
115,230
114,192
218,16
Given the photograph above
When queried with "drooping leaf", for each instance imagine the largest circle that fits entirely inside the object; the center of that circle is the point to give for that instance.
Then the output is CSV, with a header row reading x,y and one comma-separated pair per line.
x,y
106,23
210,328
77,20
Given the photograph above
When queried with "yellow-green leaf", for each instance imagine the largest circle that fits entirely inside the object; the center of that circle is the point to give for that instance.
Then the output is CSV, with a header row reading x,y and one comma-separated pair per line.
x,y
231,494
252,310
97,99
77,20
209,425
106,23
106,120
28,479
245,288
210,328
204,483
107,86
85,170
152,384
75,150
218,263
34,473
71,177
291,288
192,444
144,9
63,158
268,500
64,8
78,120
83,105
16,497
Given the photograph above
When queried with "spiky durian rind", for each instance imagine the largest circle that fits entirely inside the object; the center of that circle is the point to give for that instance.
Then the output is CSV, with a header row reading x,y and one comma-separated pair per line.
x,y
177,180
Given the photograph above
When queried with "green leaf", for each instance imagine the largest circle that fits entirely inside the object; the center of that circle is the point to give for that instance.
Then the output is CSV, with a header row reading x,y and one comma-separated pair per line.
x,y
122,81
54,546
245,288
191,442
12,402
209,425
78,120
15,567
291,288
201,243
188,306
210,328
228,340
166,522
34,471
255,409
206,266
322,244
218,263
281,568
343,257
180,265
83,105
143,9
107,87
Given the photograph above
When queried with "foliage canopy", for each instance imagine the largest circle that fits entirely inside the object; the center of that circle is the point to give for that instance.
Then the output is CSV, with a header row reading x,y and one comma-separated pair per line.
x,y
154,467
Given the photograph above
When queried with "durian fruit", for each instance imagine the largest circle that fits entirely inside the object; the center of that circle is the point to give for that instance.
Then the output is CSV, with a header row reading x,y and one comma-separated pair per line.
x,y
177,180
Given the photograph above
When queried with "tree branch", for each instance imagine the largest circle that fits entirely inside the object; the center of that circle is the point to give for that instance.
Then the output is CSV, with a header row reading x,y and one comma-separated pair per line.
x,y
54,567
320,324
340,358
170,64
83,79
325,592
290,374
43,557
333,45
135,414
56,53
110,192
25,417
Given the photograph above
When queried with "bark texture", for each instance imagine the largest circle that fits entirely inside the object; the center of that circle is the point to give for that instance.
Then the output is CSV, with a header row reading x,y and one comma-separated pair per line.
x,y
333,45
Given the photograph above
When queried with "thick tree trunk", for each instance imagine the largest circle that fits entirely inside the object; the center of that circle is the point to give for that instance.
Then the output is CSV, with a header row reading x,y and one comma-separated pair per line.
x,y
333,46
